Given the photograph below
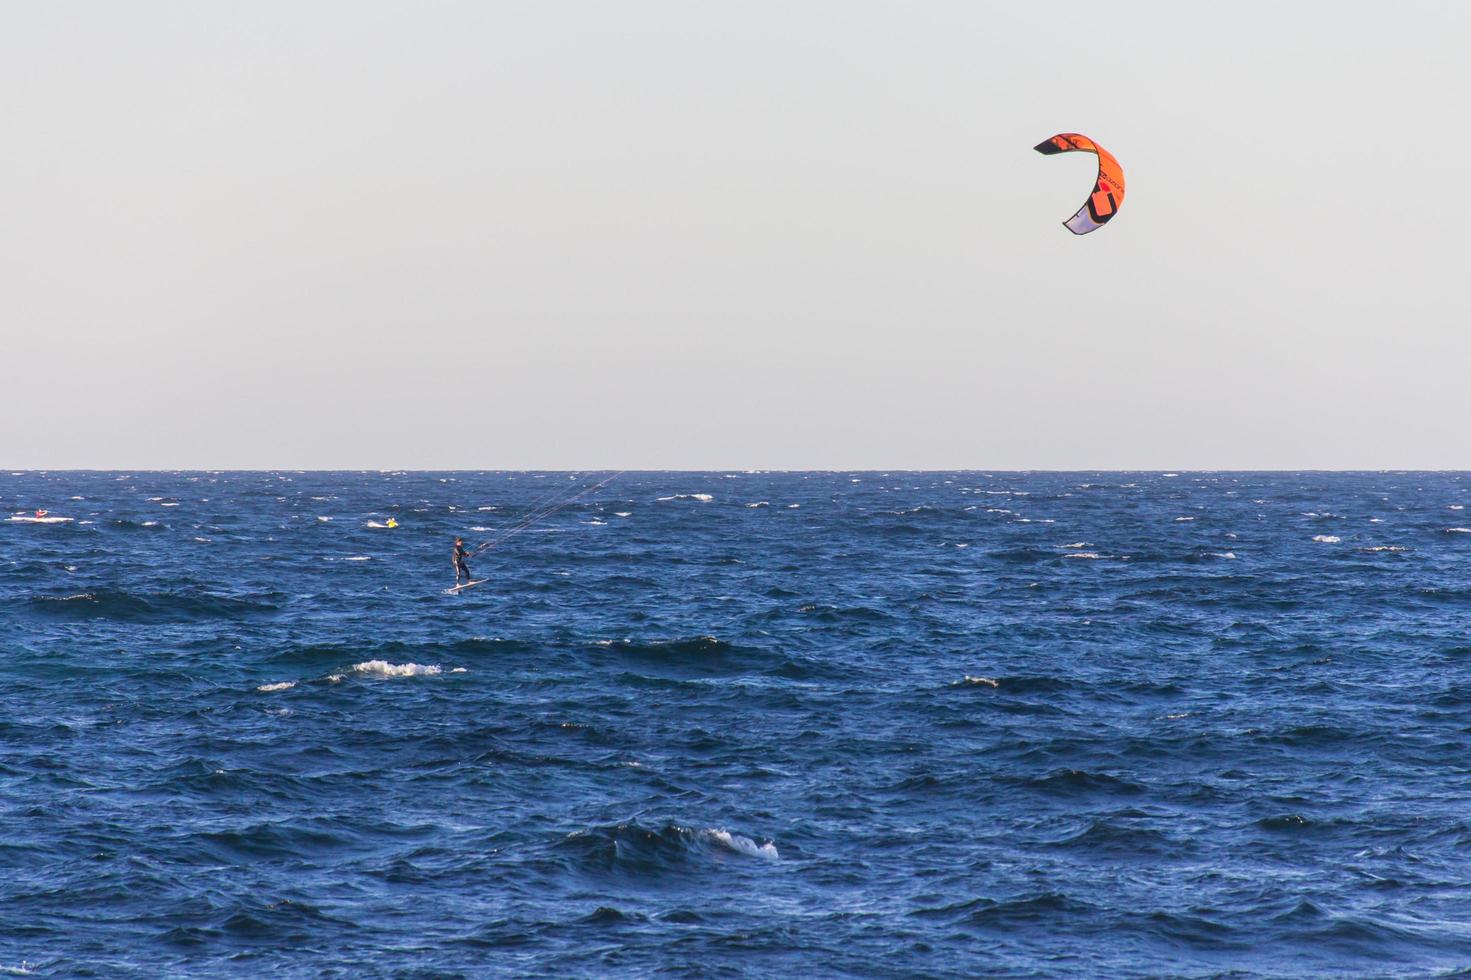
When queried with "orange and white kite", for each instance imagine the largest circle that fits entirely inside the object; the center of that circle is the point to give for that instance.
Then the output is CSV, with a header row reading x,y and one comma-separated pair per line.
x,y
1108,192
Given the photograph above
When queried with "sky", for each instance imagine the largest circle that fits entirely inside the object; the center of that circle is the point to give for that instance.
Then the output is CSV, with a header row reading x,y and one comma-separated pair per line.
x,y
690,235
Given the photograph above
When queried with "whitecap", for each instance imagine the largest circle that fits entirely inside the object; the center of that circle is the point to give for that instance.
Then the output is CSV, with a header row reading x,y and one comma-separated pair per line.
x,y
743,845
1089,555
972,681
382,668
1076,544
1327,538
324,519
760,503
703,498
1179,519
622,513
358,558
278,686
1458,530
1231,555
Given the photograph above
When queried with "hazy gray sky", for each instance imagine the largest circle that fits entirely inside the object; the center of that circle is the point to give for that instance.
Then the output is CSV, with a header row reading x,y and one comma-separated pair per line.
x,y
703,234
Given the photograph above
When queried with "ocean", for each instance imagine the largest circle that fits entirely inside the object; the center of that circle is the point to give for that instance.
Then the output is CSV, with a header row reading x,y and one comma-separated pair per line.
x,y
736,724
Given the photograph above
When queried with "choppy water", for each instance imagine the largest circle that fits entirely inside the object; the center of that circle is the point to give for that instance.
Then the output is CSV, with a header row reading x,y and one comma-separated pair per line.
x,y
734,723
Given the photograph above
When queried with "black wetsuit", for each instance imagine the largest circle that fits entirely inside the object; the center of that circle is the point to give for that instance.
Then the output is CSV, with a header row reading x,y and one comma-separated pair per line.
x,y
460,567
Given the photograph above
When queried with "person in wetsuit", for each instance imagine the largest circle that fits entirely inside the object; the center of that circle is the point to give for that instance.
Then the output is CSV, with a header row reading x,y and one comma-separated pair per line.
x,y
460,554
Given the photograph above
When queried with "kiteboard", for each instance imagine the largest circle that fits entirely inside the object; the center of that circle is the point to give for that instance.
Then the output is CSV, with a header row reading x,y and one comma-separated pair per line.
x,y
461,588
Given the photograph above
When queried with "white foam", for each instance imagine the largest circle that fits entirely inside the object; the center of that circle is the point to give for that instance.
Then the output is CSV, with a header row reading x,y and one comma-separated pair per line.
x,y
1179,519
703,498
382,668
1458,530
971,681
760,503
278,686
743,845
324,519
358,558
622,513
1327,538
1224,554
1076,544
1089,555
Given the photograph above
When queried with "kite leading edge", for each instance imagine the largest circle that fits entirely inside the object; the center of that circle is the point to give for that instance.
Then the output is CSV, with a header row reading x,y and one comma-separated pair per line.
x,y
1108,191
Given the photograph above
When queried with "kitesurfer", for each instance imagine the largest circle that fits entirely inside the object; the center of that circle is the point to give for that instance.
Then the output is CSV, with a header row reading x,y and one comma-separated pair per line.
x,y
460,555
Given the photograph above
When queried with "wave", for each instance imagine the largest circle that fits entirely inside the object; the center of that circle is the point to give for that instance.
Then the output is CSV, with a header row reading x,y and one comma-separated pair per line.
x,y
332,655
703,498
699,656
634,849
1072,782
382,668
124,524
155,607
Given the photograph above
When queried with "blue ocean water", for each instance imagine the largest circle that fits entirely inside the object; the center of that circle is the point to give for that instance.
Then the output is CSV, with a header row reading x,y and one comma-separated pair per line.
x,y
726,724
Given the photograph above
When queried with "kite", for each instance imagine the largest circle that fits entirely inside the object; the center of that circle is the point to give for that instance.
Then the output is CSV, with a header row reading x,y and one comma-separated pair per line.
x,y
1108,191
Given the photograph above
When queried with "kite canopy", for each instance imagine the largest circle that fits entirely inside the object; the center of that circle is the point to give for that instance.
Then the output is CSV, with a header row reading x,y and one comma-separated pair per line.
x,y
1108,191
